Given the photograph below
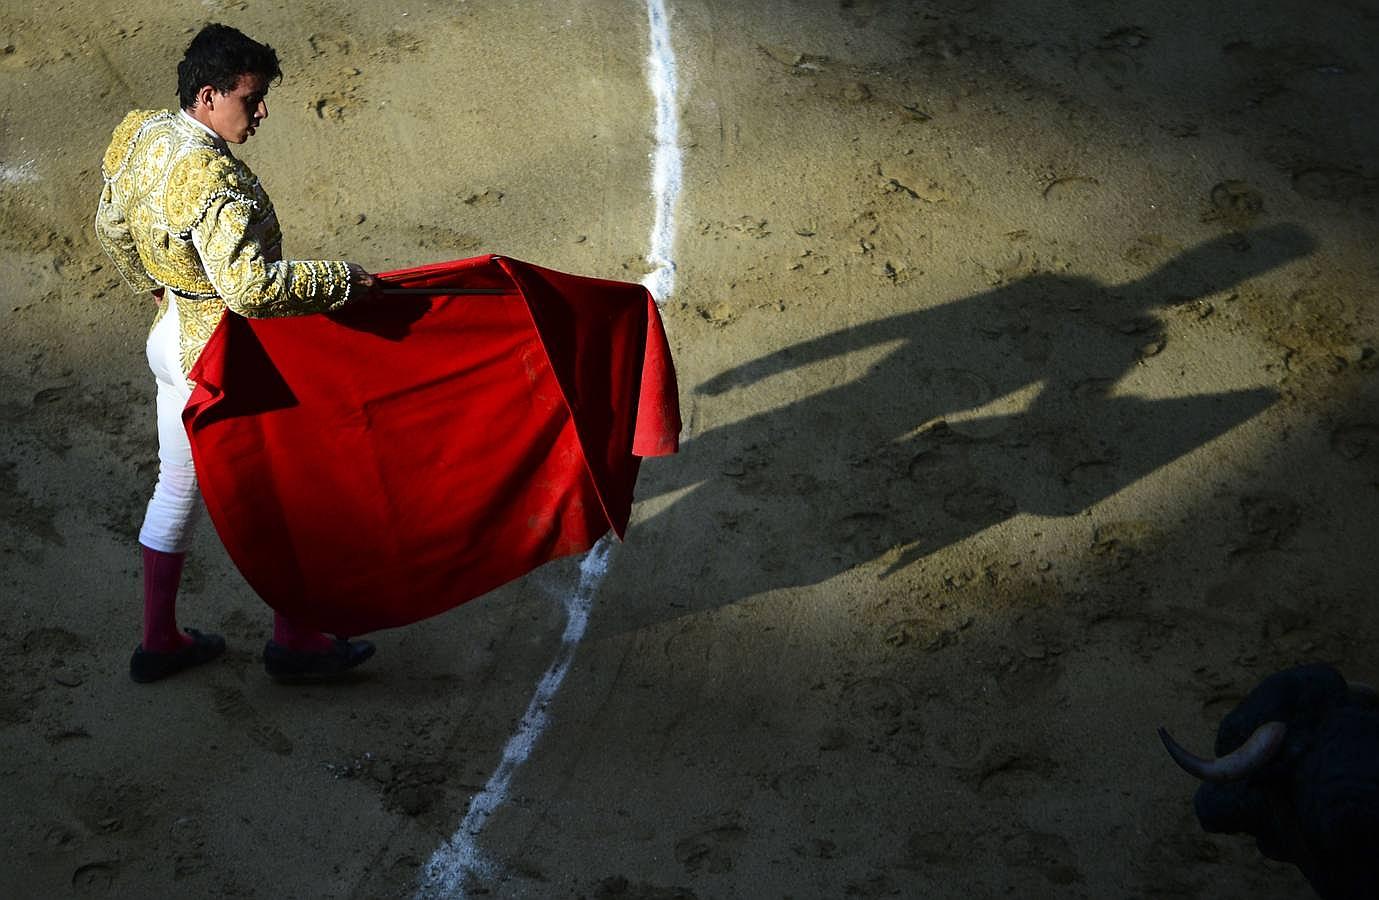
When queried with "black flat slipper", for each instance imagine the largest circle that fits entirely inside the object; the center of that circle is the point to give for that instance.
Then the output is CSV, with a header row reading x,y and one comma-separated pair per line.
x,y
293,666
146,666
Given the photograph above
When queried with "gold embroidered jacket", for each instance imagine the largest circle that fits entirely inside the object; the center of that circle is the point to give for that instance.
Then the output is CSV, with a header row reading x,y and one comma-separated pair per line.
x,y
178,210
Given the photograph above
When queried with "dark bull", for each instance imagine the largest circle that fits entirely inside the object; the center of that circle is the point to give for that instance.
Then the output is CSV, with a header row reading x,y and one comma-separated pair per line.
x,y
1298,767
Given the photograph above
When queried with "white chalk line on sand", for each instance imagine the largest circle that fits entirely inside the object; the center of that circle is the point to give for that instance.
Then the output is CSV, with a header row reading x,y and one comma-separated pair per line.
x,y
23,173
666,170
459,858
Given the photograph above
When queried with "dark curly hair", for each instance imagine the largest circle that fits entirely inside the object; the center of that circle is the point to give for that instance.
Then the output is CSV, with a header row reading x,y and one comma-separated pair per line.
x,y
217,56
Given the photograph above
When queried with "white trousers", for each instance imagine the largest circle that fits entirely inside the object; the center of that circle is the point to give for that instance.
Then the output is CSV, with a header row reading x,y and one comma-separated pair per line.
x,y
176,504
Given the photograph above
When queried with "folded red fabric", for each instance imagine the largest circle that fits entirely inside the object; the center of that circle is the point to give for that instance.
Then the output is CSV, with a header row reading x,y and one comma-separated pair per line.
x,y
374,467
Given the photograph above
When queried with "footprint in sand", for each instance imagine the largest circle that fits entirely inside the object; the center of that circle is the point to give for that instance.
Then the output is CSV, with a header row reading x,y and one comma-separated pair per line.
x,y
858,534
95,879
1115,57
1333,183
1007,764
1355,441
1178,864
59,836
881,713
710,850
330,44
618,887
1112,65
230,703
858,13
1032,678
978,503
187,840
928,849
795,781
56,641
956,733
1048,854
875,699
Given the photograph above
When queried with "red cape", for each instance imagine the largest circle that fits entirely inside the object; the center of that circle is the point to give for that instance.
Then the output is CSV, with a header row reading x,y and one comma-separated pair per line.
x,y
371,468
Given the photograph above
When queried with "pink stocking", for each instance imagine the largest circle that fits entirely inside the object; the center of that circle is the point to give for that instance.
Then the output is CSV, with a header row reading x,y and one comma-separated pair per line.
x,y
299,640
162,575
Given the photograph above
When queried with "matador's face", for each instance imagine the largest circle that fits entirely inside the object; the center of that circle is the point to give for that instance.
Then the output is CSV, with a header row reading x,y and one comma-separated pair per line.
x,y
236,116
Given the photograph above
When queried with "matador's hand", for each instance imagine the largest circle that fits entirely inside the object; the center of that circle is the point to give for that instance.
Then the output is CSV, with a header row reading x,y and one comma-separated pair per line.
x,y
361,278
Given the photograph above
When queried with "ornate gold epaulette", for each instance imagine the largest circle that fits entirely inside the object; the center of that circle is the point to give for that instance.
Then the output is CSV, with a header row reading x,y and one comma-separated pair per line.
x,y
197,180
122,140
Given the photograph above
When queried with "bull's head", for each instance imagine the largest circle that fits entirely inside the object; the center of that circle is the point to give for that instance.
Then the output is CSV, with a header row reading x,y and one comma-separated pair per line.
x,y
1252,735
1288,766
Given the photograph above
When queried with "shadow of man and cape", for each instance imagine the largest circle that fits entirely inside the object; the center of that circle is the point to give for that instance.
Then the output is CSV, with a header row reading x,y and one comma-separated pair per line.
x,y
905,459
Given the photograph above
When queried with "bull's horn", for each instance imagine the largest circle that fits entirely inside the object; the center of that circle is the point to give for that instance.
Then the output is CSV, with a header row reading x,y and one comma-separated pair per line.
x,y
1365,692
1239,763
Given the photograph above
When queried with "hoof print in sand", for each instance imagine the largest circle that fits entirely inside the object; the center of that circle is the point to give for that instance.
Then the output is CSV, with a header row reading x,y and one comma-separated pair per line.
x,y
115,808
1234,204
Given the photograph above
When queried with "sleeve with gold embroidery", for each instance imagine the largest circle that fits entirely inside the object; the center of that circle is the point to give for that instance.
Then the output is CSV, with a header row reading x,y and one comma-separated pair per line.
x,y
112,230
249,278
